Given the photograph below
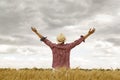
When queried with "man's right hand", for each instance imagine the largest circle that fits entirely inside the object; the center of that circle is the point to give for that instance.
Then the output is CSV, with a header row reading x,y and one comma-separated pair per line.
x,y
34,29
91,31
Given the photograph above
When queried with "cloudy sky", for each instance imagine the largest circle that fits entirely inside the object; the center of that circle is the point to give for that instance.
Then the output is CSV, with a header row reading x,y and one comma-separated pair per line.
x,y
20,47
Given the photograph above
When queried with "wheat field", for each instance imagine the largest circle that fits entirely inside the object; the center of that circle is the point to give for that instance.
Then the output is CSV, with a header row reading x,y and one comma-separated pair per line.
x,y
61,74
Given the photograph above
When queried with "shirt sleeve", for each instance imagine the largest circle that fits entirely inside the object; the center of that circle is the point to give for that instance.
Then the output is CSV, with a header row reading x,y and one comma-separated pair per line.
x,y
76,42
47,42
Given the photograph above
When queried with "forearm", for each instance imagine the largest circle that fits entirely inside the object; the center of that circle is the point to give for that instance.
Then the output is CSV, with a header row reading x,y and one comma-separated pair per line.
x,y
36,32
85,36
39,35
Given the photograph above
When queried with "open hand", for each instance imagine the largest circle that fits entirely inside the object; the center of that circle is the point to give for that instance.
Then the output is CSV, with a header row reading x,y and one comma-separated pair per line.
x,y
91,31
34,29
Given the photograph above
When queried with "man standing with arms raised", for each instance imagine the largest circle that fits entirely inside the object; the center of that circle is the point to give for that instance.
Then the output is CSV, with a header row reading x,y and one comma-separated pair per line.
x,y
61,50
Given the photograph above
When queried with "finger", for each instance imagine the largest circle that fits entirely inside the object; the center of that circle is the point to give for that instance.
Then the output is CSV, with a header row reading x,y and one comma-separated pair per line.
x,y
90,29
32,27
93,29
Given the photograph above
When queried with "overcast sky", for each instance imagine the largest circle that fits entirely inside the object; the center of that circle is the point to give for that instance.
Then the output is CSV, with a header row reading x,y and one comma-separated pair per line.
x,y
20,47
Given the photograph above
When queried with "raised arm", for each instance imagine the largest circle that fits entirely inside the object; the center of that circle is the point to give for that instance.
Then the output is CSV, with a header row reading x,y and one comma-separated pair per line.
x,y
44,39
91,31
78,41
36,32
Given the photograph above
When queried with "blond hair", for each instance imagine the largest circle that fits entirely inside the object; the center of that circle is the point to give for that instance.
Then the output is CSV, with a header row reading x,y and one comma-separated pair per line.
x,y
61,38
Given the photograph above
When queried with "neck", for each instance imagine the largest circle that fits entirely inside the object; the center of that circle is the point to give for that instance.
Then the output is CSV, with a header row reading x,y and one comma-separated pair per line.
x,y
61,43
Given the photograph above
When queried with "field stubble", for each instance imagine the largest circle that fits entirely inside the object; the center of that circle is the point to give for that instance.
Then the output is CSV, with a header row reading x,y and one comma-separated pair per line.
x,y
61,74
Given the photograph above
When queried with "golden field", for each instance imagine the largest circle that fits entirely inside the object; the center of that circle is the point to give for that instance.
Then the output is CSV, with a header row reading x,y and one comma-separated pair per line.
x,y
61,74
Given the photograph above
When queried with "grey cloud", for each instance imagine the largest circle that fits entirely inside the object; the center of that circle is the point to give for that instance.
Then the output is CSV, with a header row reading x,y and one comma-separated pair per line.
x,y
115,41
9,24
56,13
18,40
25,40
17,16
111,30
10,19
66,13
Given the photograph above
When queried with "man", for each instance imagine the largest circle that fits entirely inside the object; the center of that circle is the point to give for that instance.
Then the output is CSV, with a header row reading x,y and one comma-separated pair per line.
x,y
61,51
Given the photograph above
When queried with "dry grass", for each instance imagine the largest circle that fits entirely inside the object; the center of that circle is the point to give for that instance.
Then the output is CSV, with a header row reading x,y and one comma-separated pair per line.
x,y
62,74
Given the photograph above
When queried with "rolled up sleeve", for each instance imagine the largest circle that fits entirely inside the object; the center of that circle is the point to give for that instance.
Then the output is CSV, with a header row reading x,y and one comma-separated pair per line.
x,y
76,42
47,42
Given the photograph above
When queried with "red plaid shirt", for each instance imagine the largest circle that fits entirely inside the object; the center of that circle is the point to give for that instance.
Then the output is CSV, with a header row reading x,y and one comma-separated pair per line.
x,y
61,52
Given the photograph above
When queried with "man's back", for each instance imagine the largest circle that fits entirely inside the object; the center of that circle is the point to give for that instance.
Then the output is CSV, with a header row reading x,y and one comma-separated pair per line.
x,y
61,52
61,55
